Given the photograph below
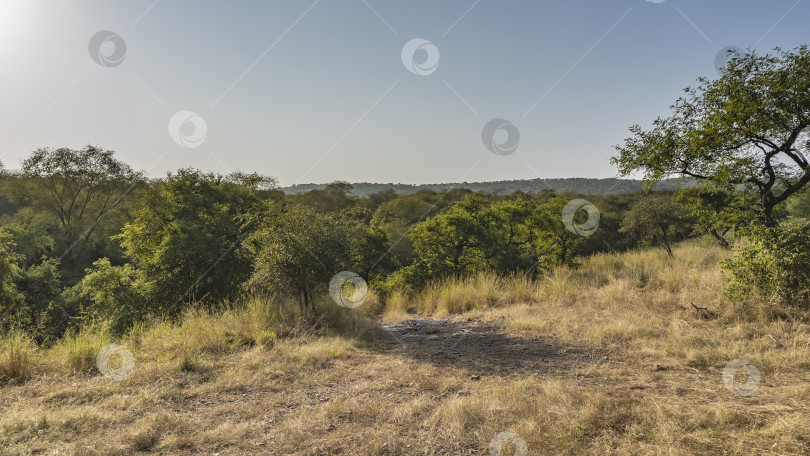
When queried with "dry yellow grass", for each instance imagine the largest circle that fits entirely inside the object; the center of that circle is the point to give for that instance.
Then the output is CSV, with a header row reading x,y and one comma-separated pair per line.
x,y
641,374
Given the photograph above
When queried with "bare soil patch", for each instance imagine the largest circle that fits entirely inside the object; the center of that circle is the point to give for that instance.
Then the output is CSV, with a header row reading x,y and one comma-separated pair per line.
x,y
483,347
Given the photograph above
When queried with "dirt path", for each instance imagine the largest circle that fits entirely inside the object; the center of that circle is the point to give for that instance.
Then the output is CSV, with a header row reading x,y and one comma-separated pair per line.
x,y
482,347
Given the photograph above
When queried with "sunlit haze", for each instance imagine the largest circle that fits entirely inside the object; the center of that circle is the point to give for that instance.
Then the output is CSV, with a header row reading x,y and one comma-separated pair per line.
x,y
315,91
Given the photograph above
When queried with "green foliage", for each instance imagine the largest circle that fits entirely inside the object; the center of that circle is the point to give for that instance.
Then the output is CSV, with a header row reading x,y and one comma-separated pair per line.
x,y
41,285
399,215
511,241
188,237
332,198
86,193
118,295
452,242
774,266
799,205
475,235
370,247
657,220
717,212
31,232
745,129
554,243
10,297
300,251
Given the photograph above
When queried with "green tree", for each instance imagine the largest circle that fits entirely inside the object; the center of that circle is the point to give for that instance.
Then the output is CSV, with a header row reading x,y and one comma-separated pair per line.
x,y
450,243
370,249
746,128
41,287
29,230
510,244
119,295
188,236
554,242
84,190
10,297
300,251
398,216
657,219
333,198
717,212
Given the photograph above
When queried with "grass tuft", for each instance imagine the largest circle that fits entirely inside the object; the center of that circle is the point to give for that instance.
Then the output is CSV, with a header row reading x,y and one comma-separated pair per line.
x,y
17,352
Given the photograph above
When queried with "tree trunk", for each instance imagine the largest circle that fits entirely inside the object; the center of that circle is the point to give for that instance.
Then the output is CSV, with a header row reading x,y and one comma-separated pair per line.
x,y
767,212
720,239
665,239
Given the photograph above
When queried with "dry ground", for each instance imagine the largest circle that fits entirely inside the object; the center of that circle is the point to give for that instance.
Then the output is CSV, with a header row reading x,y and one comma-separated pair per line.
x,y
608,359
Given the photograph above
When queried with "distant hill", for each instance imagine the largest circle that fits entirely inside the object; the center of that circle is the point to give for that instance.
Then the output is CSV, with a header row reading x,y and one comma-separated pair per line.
x,y
576,184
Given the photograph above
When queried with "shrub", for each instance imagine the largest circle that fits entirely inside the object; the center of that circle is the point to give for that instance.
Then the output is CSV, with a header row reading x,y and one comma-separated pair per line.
x,y
774,266
118,295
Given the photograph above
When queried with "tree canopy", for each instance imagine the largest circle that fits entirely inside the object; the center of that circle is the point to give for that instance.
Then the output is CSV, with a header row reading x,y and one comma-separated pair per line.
x,y
748,128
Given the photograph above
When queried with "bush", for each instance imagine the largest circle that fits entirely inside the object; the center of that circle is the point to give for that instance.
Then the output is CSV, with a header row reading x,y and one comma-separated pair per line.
x,y
118,295
774,266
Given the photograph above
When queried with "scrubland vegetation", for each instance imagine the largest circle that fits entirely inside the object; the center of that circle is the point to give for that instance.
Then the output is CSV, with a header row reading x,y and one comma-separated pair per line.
x,y
192,314
636,369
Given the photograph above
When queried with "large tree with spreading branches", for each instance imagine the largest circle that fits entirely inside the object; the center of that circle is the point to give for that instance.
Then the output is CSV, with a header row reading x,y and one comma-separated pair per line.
x,y
745,129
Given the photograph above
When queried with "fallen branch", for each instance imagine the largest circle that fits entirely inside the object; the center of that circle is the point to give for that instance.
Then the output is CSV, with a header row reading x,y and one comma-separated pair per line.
x,y
703,311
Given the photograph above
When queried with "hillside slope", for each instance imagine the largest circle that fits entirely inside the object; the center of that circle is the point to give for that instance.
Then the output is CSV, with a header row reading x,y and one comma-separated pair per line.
x,y
610,358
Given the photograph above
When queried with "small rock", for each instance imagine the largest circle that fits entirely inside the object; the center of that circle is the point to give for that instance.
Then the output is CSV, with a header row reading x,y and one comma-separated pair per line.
x,y
475,377
464,393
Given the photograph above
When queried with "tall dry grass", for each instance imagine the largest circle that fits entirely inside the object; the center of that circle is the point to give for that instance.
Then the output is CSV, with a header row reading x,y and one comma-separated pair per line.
x,y
646,278
185,343
644,301
17,352
634,369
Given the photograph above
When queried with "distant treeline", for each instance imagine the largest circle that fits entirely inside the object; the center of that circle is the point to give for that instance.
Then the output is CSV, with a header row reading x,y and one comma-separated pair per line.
x,y
580,185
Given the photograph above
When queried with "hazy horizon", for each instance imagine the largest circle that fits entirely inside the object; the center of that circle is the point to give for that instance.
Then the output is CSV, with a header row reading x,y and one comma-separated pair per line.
x,y
320,91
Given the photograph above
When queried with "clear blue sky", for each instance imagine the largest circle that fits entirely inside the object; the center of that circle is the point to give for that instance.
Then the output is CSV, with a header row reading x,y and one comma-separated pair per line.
x,y
310,91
